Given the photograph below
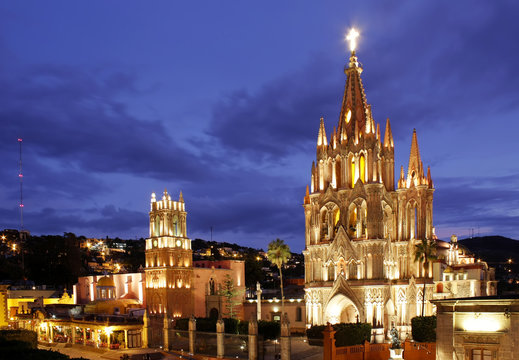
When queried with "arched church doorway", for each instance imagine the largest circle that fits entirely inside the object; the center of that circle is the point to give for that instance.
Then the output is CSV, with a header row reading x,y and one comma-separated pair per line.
x,y
341,309
213,313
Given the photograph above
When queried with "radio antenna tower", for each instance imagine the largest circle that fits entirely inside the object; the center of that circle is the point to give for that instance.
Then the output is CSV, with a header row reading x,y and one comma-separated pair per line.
x,y
20,176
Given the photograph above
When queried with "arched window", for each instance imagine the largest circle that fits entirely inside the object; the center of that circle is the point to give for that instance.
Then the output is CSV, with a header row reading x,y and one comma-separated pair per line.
x,y
336,219
175,226
324,225
362,170
352,172
352,221
212,290
157,226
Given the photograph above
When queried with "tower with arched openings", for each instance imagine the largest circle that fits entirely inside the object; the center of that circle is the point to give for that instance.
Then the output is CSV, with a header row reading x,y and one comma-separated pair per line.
x,y
361,231
169,268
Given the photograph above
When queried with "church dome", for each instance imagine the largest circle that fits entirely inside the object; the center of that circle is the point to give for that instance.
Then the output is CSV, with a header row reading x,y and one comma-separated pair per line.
x,y
106,281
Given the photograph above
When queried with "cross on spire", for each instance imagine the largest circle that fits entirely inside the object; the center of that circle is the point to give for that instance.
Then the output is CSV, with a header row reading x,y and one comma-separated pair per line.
x,y
352,39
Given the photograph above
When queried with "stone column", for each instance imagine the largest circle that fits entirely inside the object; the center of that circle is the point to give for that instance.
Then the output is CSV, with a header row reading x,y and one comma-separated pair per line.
x,y
73,337
220,330
329,343
125,339
145,329
51,335
108,338
96,338
84,336
166,331
253,339
47,329
258,299
285,338
192,330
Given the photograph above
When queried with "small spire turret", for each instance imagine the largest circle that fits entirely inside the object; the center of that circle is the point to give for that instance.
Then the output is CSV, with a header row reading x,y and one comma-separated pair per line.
x,y
307,196
388,136
321,136
429,178
401,180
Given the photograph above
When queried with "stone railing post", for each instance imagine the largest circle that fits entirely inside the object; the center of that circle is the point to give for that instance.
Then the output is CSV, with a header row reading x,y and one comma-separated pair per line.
x,y
258,301
329,343
220,331
165,331
285,338
366,350
192,333
253,338
145,330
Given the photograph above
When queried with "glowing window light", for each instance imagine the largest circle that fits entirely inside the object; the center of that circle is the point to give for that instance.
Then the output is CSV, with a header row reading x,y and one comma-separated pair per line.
x,y
481,323
352,172
348,116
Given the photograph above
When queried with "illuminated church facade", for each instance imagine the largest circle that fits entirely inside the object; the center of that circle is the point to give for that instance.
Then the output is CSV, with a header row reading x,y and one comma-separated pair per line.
x,y
175,285
361,226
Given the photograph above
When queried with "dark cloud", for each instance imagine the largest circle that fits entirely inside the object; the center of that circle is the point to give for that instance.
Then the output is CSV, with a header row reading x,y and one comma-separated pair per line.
x,y
435,67
109,220
451,64
485,202
279,118
426,65
74,118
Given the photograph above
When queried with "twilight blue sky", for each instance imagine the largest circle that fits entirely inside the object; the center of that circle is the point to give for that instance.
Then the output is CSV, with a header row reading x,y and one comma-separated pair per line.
x,y
222,100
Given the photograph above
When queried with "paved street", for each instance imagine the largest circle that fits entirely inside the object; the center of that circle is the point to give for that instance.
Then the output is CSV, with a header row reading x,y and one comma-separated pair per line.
x,y
300,350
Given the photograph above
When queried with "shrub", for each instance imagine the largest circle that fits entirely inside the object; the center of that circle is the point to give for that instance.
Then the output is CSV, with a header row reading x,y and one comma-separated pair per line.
x,y
206,325
346,334
231,325
269,329
34,354
352,334
243,328
315,332
18,338
424,328
182,324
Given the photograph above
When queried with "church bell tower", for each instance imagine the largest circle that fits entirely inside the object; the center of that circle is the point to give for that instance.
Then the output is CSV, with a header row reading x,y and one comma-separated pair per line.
x,y
169,258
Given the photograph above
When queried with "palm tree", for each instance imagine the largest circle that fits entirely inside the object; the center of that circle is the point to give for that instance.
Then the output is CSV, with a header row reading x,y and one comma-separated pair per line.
x,y
425,252
278,253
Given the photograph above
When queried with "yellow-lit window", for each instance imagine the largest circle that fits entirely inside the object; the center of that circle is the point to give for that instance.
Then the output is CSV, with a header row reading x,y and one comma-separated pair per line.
x,y
362,169
352,172
336,216
353,219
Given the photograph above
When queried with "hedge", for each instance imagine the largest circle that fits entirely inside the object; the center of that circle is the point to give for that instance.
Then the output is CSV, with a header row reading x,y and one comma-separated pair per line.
x,y
424,328
268,329
352,334
346,334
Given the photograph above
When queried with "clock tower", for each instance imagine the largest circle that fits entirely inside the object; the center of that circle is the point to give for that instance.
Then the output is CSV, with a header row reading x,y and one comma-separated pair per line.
x,y
169,258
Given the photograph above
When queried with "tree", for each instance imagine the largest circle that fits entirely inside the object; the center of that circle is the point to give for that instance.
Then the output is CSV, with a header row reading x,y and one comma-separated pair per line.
x,y
425,252
278,253
229,292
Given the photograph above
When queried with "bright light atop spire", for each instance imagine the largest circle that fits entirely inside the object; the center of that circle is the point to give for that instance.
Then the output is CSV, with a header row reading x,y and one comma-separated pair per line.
x,y
352,39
